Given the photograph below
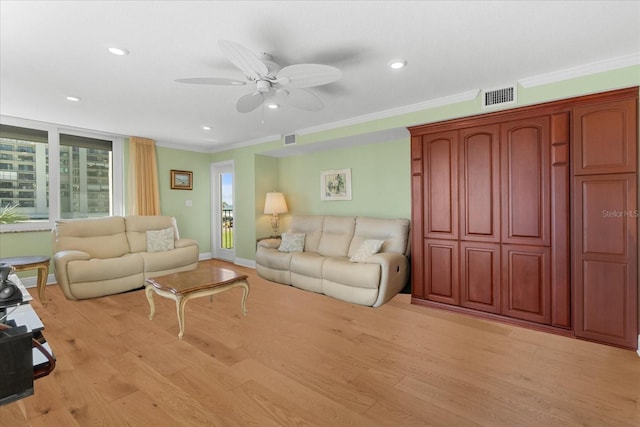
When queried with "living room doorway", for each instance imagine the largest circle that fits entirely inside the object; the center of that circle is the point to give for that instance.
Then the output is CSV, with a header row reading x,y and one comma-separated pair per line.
x,y
223,226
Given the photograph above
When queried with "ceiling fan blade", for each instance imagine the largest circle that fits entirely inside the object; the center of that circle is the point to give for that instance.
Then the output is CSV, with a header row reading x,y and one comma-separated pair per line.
x,y
244,59
249,102
307,75
212,81
300,98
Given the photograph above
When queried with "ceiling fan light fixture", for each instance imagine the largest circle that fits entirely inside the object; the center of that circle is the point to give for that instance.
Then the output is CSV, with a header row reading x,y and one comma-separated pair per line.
x,y
397,64
119,51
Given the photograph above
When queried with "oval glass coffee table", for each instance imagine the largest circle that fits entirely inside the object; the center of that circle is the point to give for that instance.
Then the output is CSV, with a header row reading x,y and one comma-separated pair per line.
x,y
41,263
206,280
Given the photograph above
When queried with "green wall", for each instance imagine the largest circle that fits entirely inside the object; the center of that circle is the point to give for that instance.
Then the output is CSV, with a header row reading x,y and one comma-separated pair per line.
x,y
380,180
193,222
380,172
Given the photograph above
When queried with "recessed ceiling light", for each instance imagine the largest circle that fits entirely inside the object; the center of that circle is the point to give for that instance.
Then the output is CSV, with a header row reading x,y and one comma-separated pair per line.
x,y
273,106
205,127
120,51
396,64
73,98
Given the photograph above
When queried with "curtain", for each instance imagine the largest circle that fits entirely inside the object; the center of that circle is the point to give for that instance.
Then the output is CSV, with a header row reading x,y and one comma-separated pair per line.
x,y
144,193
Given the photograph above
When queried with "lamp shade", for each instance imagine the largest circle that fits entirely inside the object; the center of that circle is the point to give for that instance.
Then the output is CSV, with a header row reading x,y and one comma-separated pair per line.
x,y
275,204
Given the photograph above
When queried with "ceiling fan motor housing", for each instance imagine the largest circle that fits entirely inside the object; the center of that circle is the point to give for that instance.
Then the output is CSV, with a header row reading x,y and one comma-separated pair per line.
x,y
263,86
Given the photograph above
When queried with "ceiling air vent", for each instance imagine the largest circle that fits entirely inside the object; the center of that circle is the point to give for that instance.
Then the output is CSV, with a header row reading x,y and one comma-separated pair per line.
x,y
290,139
497,97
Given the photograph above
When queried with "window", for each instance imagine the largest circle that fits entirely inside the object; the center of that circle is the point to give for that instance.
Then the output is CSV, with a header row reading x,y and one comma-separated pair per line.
x,y
67,173
87,164
24,140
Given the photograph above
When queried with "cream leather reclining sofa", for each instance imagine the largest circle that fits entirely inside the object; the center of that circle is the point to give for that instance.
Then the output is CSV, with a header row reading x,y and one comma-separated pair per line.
x,y
335,259
103,256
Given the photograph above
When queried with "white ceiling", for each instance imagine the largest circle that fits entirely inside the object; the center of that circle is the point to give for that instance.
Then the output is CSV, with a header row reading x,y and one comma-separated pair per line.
x,y
53,49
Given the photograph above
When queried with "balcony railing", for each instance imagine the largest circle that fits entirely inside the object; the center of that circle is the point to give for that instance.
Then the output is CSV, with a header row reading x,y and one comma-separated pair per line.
x,y
227,229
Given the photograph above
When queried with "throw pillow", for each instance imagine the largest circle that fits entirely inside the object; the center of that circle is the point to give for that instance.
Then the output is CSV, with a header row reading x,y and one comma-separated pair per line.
x,y
292,242
366,249
160,240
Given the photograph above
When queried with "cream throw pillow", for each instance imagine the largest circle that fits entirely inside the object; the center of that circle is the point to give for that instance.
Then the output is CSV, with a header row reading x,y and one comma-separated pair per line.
x,y
366,249
160,240
292,242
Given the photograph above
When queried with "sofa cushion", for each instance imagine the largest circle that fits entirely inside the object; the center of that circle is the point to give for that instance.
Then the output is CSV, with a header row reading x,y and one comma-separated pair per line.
x,y
273,259
311,227
308,264
99,237
160,240
137,227
155,262
337,232
292,242
366,249
96,270
361,275
394,232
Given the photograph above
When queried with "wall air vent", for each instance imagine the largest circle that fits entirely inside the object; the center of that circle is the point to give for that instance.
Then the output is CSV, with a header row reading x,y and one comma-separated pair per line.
x,y
498,97
290,139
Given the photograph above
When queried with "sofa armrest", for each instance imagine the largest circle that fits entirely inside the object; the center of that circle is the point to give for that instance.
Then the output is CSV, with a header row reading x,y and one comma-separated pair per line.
x,y
184,243
60,261
269,243
394,274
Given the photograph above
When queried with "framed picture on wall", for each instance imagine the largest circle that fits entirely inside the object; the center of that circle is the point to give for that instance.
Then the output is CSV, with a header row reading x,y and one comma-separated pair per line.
x,y
335,184
181,180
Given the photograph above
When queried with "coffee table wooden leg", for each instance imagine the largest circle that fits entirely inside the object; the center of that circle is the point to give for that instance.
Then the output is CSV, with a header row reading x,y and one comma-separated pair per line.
x,y
245,294
43,273
149,292
180,303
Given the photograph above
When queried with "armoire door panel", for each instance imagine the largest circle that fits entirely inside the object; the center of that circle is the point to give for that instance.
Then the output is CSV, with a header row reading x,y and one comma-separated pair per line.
x,y
526,283
525,152
480,183
605,263
441,271
606,212
605,292
480,276
440,174
605,138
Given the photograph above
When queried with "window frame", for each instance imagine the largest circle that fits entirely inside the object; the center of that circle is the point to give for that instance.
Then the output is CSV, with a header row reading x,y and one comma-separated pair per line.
x,y
53,139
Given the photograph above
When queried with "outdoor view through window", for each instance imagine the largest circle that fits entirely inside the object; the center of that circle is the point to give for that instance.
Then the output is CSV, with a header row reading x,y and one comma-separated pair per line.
x,y
85,173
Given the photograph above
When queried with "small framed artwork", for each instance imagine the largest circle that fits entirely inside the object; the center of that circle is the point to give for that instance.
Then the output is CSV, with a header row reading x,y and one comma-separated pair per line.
x,y
181,180
335,184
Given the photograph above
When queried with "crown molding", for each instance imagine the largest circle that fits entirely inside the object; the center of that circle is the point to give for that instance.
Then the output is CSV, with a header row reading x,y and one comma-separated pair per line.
x,y
232,146
183,147
581,70
413,108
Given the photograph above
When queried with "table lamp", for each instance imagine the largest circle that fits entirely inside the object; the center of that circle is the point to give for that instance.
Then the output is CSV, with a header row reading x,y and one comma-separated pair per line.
x,y
274,205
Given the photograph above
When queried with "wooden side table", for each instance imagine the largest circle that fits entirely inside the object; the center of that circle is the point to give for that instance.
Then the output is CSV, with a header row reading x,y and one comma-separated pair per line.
x,y
41,263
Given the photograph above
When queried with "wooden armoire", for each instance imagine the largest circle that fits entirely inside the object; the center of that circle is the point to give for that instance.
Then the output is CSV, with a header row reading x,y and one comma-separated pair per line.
x,y
530,216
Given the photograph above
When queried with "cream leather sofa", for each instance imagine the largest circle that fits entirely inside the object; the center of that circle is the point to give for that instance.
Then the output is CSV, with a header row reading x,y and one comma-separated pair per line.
x,y
325,266
103,256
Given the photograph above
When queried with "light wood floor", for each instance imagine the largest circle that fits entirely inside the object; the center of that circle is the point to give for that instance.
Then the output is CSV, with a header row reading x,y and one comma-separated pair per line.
x,y
302,359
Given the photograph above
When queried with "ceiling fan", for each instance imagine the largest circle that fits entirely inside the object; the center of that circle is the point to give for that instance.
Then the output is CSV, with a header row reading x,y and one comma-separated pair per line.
x,y
287,84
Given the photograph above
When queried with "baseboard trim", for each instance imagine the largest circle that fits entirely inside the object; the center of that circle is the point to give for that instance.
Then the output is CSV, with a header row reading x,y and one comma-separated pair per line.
x,y
245,262
32,281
